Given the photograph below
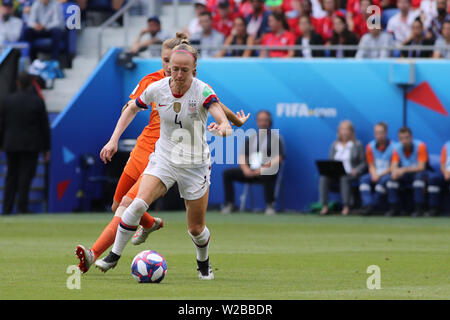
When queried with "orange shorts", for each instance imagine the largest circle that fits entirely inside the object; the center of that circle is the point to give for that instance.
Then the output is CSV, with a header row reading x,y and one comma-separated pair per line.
x,y
132,193
123,186
131,173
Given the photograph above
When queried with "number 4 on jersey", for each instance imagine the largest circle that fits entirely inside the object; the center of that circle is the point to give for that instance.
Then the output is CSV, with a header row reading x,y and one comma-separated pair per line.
x,y
178,122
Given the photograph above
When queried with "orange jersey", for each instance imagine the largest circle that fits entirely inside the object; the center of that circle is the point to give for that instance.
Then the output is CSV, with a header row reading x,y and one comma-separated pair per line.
x,y
145,143
444,154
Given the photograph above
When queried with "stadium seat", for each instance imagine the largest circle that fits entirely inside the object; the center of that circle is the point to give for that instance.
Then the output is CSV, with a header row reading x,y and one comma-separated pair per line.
x,y
386,15
67,47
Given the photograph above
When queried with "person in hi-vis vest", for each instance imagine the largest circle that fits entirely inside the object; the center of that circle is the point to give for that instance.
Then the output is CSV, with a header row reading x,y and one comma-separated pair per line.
x,y
409,162
379,153
439,181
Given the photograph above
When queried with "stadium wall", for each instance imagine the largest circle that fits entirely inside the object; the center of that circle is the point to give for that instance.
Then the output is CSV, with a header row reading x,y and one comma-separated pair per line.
x,y
82,128
307,98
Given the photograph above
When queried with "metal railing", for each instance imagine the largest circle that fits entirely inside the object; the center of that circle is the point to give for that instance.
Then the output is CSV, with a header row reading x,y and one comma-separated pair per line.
x,y
124,11
315,47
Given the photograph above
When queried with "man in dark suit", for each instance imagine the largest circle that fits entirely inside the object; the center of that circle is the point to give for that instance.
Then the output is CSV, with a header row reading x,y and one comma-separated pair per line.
x,y
309,37
24,133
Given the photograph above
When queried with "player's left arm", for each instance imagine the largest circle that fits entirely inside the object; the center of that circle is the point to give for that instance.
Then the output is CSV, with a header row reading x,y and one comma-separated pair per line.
x,y
237,119
221,127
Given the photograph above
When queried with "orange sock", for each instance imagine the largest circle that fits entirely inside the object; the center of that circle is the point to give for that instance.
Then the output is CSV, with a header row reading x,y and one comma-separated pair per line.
x,y
107,237
147,220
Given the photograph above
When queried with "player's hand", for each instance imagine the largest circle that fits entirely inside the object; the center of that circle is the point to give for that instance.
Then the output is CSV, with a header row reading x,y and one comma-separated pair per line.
x,y
214,128
266,165
38,27
247,172
242,118
256,172
447,175
108,151
218,130
375,177
397,173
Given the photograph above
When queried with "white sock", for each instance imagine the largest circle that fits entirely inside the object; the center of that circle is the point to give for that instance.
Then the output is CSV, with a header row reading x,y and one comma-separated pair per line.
x,y
128,224
201,243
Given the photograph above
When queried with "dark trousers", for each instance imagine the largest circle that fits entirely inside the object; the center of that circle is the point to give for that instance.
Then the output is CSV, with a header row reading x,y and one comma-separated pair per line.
x,y
21,170
342,184
55,34
236,175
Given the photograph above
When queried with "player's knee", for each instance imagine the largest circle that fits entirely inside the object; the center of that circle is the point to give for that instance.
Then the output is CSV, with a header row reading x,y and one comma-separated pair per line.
x,y
114,206
196,229
126,201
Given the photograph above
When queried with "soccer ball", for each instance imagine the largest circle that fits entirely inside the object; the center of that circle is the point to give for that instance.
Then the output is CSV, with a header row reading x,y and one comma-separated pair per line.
x,y
148,267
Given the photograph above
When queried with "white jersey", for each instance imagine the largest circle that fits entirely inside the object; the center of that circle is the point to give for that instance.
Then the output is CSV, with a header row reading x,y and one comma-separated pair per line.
x,y
182,139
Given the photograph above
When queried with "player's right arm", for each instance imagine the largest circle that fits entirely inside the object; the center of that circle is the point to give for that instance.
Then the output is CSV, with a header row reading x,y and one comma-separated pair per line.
x,y
237,119
128,114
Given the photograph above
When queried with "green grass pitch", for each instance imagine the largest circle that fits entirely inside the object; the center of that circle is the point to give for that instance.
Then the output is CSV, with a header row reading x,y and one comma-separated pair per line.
x,y
254,257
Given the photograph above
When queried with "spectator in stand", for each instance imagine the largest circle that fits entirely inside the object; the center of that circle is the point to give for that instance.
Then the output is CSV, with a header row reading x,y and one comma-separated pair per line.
x,y
258,21
10,26
350,151
417,39
354,7
208,36
16,6
342,36
223,19
439,181
379,153
400,24
378,39
308,37
238,36
428,10
357,21
194,25
213,5
26,9
388,4
408,171
435,30
245,8
278,36
317,9
156,37
324,26
45,21
304,8
442,44
24,133
292,9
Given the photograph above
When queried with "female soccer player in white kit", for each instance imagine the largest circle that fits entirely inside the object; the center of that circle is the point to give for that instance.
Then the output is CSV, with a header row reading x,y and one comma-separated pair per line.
x,y
181,154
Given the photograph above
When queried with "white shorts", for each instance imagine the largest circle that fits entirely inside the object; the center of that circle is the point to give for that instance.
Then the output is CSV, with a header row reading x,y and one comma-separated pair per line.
x,y
192,182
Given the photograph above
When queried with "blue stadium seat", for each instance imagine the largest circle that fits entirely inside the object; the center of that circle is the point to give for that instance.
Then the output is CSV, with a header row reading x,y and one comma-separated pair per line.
x,y
386,15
